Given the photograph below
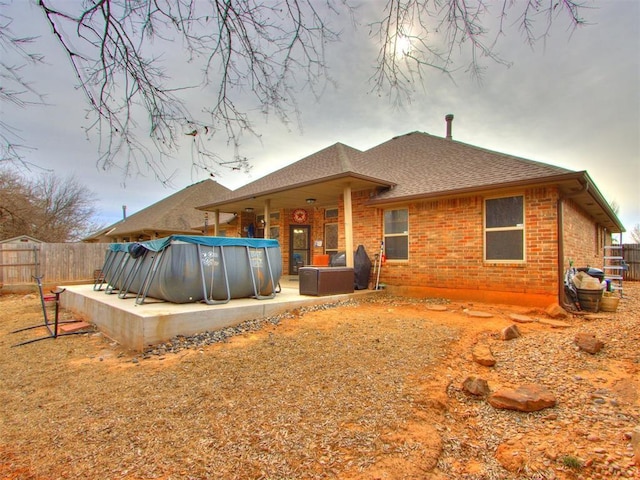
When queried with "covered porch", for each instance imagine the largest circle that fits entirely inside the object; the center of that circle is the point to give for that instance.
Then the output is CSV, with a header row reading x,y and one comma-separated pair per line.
x,y
312,210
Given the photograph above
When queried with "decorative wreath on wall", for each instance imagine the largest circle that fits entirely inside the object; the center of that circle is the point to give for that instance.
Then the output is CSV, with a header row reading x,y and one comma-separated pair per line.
x,y
299,215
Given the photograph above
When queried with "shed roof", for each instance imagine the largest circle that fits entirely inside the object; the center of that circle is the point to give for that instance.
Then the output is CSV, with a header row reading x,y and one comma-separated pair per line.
x,y
22,239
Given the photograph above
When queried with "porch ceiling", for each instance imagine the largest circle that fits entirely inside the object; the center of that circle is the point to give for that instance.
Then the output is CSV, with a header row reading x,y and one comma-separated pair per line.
x,y
326,193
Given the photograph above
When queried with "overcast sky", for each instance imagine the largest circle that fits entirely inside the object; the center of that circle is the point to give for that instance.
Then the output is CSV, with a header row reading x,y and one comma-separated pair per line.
x,y
573,101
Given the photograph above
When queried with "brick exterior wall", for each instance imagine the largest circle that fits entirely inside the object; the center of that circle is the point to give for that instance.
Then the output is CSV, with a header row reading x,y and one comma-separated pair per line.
x,y
446,247
446,250
583,238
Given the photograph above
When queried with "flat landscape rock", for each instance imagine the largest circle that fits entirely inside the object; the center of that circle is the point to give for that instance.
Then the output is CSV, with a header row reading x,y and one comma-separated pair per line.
x,y
73,327
437,308
556,311
478,314
476,386
635,444
526,398
517,317
554,323
482,355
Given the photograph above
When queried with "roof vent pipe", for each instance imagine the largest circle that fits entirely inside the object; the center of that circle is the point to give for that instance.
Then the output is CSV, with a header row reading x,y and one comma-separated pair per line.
x,y
449,120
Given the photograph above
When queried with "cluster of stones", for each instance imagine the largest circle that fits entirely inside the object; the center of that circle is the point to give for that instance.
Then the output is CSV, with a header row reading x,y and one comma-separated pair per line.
x,y
529,397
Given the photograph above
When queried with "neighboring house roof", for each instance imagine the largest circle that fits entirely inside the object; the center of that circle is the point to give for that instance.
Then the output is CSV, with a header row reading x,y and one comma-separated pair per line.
x,y
408,167
22,239
175,214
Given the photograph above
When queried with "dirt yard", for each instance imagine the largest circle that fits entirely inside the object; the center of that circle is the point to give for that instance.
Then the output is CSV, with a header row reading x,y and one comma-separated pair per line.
x,y
368,390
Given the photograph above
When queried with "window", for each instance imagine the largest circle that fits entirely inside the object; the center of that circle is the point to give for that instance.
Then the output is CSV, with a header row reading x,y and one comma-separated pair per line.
x,y
331,214
504,229
396,234
331,238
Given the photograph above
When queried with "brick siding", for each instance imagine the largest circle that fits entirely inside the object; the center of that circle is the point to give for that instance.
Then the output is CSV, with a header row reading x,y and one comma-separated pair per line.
x,y
446,246
583,238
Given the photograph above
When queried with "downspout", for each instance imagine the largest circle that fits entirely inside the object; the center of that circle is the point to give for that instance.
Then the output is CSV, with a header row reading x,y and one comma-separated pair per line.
x,y
560,250
560,227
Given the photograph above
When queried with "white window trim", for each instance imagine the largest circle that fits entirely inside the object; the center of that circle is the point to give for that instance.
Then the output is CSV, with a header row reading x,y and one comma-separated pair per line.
x,y
404,234
520,227
331,219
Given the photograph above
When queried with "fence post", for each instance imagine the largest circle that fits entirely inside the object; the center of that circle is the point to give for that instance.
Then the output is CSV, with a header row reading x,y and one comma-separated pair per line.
x,y
631,256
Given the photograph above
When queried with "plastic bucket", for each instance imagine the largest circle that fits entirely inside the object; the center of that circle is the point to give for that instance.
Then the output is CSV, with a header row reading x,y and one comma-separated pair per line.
x,y
609,304
589,299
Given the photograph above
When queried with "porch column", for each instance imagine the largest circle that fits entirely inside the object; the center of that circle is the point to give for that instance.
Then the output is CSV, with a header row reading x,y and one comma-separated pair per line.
x,y
348,225
267,218
216,222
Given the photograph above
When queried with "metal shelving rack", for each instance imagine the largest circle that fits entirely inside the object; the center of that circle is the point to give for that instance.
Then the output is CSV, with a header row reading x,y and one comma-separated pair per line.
x,y
614,267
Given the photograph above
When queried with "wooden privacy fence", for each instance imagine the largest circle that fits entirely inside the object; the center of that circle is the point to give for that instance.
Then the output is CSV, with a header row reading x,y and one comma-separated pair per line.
x,y
631,255
54,262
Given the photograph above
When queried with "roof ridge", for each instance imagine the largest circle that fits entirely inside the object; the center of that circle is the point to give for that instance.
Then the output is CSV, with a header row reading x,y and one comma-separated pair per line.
x,y
345,160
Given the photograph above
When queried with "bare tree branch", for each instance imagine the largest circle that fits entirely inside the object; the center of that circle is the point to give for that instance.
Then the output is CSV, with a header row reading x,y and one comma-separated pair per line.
x,y
14,89
247,46
432,32
254,56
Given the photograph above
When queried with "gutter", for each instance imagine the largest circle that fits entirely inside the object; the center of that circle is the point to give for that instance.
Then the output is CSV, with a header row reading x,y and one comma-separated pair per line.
x,y
479,189
598,197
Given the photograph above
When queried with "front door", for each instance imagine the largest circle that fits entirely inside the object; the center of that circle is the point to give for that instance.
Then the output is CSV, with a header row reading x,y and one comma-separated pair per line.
x,y
299,247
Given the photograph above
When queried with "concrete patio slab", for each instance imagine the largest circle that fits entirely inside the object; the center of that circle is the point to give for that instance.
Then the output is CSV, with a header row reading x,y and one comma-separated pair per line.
x,y
139,326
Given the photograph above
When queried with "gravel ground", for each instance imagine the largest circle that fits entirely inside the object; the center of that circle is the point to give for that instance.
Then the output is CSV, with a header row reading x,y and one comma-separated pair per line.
x,y
358,390
587,435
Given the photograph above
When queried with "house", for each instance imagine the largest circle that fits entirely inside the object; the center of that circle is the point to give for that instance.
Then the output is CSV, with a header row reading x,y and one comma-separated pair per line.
x,y
22,239
453,219
176,214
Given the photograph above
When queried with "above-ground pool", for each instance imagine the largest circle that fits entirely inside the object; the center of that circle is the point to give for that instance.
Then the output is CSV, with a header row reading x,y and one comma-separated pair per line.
x,y
186,269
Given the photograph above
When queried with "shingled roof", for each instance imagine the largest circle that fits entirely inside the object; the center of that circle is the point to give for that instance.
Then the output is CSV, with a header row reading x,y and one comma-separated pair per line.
x,y
420,164
334,161
409,167
175,214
